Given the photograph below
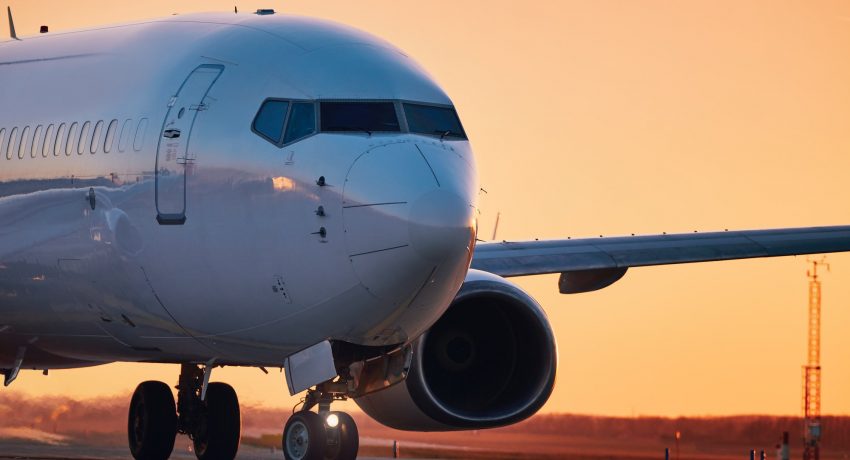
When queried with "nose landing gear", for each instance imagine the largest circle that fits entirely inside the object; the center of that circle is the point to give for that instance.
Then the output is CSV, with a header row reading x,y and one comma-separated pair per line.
x,y
324,435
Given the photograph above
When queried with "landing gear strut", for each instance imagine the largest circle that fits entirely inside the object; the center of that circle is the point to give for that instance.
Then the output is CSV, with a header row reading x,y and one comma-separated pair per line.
x,y
324,435
211,419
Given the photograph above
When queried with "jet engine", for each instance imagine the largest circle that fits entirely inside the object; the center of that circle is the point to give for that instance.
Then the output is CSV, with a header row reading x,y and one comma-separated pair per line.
x,y
489,361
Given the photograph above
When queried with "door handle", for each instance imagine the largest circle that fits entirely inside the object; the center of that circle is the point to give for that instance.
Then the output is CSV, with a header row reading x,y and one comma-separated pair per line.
x,y
171,133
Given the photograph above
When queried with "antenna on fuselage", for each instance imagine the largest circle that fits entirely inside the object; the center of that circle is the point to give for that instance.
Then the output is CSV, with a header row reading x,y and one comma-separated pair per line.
x,y
11,24
235,10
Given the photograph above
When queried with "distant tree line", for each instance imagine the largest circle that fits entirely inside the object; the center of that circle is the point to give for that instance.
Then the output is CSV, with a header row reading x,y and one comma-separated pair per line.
x,y
755,430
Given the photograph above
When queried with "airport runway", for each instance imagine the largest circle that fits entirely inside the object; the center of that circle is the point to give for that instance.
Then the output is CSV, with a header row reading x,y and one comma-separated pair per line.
x,y
22,450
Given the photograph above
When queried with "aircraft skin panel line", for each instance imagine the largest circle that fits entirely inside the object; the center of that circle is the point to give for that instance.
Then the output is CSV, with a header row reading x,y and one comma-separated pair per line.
x,y
523,258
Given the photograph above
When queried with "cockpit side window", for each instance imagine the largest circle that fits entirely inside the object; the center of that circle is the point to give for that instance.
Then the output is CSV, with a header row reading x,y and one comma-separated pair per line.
x,y
269,120
358,116
433,120
302,121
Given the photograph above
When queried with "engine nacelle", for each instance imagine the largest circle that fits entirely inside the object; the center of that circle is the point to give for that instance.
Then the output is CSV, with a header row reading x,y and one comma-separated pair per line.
x,y
489,361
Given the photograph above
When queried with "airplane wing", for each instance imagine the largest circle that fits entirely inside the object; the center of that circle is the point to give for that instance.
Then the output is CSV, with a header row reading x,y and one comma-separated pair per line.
x,y
588,264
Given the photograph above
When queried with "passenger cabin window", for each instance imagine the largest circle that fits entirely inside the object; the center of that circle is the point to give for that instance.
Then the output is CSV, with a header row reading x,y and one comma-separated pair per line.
x,y
124,139
60,137
358,116
12,145
95,137
110,136
49,140
433,120
302,121
69,140
37,141
25,142
139,140
83,141
269,120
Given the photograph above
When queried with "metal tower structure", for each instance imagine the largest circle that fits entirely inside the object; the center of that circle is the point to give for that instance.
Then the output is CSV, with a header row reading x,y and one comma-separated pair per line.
x,y
812,370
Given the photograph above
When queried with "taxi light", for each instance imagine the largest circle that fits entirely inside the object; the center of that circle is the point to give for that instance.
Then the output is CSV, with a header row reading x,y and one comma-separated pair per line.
x,y
332,420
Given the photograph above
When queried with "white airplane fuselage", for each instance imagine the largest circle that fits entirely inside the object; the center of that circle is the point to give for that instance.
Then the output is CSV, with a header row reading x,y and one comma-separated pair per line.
x,y
267,190
256,272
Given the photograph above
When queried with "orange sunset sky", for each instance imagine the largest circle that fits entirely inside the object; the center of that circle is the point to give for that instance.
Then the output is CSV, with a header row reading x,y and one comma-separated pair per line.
x,y
617,117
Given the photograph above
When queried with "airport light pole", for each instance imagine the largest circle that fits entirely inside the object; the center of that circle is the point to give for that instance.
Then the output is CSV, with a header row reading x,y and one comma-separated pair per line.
x,y
678,437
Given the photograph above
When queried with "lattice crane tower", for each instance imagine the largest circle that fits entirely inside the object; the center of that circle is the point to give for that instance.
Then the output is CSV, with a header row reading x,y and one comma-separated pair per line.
x,y
812,370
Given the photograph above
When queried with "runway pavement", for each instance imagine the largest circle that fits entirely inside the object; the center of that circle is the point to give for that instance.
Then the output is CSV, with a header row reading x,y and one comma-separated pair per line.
x,y
24,450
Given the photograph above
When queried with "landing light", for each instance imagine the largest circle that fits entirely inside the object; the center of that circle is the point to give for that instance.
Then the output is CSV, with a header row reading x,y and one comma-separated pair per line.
x,y
332,420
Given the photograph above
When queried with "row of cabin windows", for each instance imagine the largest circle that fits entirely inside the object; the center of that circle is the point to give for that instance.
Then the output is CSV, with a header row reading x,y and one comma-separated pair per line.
x,y
70,138
284,122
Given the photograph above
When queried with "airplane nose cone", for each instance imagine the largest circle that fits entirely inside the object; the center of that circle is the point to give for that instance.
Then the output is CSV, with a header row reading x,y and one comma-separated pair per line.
x,y
407,219
440,225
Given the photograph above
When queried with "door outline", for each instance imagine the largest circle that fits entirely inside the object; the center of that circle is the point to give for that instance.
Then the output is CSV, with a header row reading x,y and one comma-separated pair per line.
x,y
179,218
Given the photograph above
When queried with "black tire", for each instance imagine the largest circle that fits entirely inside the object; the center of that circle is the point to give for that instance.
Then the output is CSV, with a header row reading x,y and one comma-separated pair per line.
x,y
152,422
221,428
349,438
304,437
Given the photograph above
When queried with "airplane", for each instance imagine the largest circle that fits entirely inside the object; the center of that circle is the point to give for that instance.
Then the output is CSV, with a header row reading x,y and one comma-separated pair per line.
x,y
268,190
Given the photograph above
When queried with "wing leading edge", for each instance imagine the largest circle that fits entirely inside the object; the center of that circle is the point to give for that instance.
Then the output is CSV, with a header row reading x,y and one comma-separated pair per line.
x,y
588,264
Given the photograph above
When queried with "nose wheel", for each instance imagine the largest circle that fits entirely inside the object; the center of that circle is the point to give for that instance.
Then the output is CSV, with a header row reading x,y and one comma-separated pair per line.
x,y
324,435
304,437
343,440
309,436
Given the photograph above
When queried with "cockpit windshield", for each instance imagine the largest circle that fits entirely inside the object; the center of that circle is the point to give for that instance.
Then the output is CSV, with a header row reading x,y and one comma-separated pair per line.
x,y
302,122
358,116
269,120
283,122
433,120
